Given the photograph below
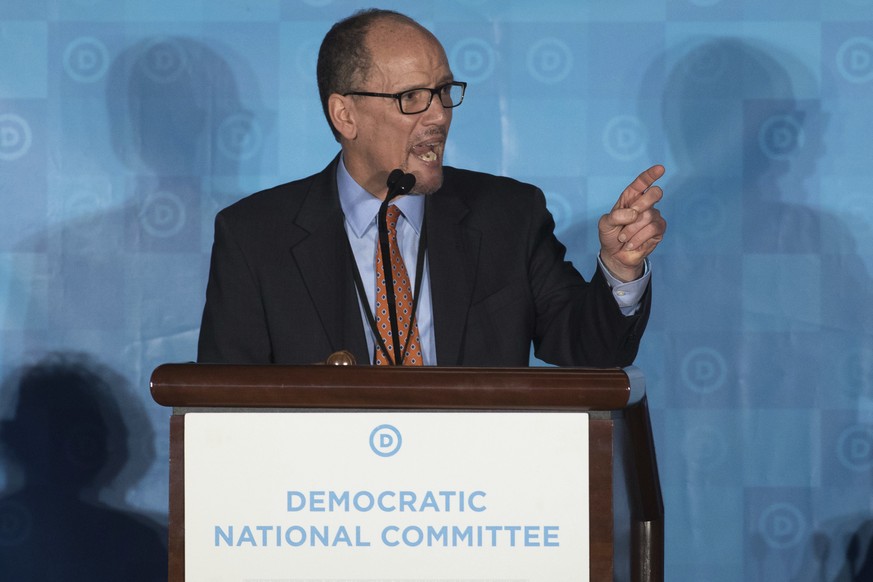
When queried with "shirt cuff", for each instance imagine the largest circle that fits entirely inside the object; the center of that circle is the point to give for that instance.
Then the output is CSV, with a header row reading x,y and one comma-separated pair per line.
x,y
627,295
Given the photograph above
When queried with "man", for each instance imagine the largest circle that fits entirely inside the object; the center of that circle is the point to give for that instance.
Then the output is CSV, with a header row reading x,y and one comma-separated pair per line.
x,y
489,278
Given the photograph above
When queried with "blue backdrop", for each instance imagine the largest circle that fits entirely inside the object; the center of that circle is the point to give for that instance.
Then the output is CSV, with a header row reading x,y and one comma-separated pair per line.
x,y
125,125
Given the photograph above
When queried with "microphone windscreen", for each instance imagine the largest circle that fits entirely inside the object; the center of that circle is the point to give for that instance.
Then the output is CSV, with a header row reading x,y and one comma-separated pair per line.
x,y
406,183
393,177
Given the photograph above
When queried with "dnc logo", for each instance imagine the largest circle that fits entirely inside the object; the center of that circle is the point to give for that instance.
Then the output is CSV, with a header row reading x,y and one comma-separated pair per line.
x,y
385,440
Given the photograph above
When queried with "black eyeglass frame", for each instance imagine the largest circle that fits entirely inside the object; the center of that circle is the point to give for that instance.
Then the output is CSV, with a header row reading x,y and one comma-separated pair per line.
x,y
398,96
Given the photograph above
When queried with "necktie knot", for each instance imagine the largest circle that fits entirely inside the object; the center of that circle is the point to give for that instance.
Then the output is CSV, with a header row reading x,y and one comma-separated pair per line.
x,y
392,217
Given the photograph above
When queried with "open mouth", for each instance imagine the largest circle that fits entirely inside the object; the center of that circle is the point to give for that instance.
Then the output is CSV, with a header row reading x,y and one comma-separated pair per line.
x,y
427,152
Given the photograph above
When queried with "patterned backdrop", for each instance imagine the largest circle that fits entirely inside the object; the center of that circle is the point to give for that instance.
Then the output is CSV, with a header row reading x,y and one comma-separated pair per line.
x,y
126,124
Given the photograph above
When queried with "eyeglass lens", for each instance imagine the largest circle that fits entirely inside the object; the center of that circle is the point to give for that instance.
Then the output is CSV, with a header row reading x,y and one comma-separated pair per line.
x,y
418,100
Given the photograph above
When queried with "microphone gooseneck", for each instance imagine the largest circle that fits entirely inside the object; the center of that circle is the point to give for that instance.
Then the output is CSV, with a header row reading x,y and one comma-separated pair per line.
x,y
399,183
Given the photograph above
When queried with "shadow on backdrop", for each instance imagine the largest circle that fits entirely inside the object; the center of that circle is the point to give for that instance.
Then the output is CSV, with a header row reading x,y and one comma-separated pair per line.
x,y
179,124
67,441
757,289
129,260
122,274
858,566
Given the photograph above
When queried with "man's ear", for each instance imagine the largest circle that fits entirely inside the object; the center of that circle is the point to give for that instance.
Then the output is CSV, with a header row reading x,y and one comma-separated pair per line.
x,y
342,115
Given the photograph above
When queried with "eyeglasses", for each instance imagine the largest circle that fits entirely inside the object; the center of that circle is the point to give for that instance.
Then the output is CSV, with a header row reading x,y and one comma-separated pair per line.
x,y
418,100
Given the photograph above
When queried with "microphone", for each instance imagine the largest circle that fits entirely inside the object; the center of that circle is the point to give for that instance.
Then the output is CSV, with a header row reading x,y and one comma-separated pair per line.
x,y
399,183
393,177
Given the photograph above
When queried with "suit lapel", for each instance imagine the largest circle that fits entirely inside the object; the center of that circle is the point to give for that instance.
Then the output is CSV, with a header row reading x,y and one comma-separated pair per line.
x,y
453,257
320,248
319,245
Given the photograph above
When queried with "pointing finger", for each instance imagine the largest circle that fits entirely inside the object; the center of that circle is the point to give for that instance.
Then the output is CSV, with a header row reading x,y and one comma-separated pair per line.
x,y
640,184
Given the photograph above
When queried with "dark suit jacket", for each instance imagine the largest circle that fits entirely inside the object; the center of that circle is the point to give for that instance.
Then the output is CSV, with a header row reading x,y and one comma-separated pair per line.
x,y
281,288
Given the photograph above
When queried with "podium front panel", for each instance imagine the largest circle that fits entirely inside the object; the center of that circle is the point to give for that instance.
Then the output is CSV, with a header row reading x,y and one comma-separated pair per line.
x,y
386,495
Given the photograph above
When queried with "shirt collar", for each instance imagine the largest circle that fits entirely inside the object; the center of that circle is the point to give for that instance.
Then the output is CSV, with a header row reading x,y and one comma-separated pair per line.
x,y
360,207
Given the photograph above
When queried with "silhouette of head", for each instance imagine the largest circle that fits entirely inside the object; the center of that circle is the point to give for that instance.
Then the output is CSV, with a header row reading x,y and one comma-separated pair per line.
x,y
730,108
168,98
67,432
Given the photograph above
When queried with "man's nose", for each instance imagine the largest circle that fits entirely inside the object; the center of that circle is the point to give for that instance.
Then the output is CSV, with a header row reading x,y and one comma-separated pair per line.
x,y
437,112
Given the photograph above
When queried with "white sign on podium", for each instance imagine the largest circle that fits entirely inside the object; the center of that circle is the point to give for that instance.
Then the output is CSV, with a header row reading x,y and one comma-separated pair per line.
x,y
387,496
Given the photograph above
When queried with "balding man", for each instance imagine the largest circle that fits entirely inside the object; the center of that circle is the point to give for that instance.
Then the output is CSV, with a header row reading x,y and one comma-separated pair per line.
x,y
298,272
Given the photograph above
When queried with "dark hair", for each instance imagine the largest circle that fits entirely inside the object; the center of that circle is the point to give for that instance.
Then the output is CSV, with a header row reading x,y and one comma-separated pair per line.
x,y
344,59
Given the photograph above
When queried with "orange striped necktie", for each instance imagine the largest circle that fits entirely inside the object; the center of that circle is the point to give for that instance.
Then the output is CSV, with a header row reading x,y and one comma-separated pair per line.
x,y
406,325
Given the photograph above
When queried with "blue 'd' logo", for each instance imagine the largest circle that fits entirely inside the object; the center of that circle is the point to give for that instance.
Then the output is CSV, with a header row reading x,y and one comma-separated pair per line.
x,y
385,440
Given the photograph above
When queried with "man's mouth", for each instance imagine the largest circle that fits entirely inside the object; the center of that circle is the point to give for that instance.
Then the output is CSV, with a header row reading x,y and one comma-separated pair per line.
x,y
427,152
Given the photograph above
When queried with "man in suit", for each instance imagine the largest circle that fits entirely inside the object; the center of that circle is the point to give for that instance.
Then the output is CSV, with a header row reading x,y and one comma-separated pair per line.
x,y
293,279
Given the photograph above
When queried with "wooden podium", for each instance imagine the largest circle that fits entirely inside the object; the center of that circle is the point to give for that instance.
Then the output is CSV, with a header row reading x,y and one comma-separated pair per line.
x,y
626,509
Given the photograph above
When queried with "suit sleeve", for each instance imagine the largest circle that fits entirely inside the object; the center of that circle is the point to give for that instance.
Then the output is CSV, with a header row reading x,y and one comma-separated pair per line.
x,y
578,322
234,328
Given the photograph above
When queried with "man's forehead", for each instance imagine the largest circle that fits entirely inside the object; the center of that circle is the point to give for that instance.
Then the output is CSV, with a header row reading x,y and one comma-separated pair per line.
x,y
404,56
389,37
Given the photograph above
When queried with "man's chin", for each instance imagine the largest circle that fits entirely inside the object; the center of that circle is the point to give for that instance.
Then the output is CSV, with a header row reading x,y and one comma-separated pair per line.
x,y
427,180
428,187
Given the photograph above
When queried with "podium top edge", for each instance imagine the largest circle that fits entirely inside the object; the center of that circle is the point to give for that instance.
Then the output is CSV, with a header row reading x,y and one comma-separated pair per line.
x,y
321,386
